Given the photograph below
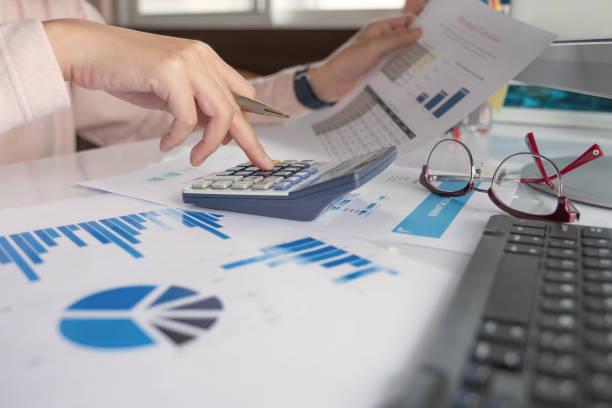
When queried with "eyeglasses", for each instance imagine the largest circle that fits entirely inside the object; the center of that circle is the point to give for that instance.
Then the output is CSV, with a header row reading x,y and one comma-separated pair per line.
x,y
525,185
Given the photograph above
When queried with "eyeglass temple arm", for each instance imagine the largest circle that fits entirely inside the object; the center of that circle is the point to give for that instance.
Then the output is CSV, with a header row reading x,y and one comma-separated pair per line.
x,y
592,153
533,148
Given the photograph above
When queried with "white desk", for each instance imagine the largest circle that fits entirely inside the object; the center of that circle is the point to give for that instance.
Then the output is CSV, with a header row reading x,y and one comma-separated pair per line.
x,y
46,180
49,179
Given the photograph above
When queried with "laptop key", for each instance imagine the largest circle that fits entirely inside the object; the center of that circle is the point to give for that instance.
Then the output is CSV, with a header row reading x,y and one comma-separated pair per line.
x,y
558,365
561,342
557,391
499,356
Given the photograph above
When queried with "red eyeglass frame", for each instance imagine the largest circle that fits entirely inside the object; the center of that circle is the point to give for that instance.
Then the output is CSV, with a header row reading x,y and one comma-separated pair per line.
x,y
565,211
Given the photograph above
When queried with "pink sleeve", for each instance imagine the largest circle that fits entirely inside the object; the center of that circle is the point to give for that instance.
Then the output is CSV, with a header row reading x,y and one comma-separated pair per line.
x,y
31,83
277,91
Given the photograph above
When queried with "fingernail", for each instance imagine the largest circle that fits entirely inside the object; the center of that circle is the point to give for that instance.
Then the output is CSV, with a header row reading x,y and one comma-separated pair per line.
x,y
269,161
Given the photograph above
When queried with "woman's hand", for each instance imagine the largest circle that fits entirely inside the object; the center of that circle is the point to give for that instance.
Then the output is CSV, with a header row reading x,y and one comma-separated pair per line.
x,y
183,77
335,76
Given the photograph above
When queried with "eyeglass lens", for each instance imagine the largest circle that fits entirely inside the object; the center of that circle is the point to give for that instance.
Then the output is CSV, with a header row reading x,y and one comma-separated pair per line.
x,y
519,183
449,167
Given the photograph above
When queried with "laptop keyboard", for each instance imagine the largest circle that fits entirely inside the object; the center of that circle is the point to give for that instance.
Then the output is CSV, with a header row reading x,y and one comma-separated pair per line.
x,y
547,318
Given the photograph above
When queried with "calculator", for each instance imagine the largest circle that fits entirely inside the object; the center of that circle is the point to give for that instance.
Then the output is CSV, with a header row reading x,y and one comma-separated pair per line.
x,y
293,189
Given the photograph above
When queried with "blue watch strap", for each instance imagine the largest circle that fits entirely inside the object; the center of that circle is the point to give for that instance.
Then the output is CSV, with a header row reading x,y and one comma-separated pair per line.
x,y
304,92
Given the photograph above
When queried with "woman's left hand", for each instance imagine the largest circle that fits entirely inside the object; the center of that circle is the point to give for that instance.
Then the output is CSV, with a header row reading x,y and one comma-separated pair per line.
x,y
337,75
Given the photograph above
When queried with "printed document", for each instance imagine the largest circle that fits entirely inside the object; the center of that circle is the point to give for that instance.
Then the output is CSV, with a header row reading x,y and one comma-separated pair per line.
x,y
467,52
109,301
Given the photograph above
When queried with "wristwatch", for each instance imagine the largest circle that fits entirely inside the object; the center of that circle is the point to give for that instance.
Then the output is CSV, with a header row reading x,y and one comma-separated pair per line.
x,y
304,92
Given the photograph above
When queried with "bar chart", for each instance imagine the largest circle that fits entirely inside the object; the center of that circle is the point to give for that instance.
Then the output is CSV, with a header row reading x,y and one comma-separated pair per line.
x,y
353,205
27,249
309,251
451,102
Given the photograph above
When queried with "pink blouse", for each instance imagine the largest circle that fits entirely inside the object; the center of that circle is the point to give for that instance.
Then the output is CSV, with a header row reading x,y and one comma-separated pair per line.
x,y
40,113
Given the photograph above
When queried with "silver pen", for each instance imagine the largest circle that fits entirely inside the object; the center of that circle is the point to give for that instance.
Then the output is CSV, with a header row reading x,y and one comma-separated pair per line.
x,y
253,106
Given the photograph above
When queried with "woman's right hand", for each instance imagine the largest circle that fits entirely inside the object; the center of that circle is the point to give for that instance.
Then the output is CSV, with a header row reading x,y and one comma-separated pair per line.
x,y
183,77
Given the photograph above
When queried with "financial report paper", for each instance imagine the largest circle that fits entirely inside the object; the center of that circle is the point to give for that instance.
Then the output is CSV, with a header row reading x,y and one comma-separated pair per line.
x,y
467,52
108,301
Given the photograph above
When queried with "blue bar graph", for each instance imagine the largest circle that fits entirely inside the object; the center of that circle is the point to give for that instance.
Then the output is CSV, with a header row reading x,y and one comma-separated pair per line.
x,y
452,101
310,251
25,249
340,204
45,238
422,97
435,100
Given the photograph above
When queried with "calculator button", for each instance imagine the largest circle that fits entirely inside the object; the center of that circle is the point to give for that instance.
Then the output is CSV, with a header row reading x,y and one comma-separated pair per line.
x,y
201,184
293,180
243,173
289,162
263,173
242,185
293,169
234,169
220,178
283,173
263,185
254,179
311,170
222,184
283,185
274,179
302,174
225,173
252,168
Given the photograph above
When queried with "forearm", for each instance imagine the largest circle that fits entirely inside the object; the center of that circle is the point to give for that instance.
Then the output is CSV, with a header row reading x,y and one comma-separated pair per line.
x,y
31,82
277,90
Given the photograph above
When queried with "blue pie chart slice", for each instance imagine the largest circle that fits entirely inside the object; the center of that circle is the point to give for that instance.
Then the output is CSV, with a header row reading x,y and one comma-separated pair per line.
x,y
105,333
104,319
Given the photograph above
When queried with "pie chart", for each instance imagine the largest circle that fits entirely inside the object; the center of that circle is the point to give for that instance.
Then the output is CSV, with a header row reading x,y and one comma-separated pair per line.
x,y
138,316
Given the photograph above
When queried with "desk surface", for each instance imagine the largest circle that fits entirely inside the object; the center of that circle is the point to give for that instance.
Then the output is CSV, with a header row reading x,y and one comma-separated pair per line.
x,y
45,180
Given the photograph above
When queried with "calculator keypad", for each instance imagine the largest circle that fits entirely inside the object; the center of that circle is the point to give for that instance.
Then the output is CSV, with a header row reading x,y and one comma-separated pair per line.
x,y
246,176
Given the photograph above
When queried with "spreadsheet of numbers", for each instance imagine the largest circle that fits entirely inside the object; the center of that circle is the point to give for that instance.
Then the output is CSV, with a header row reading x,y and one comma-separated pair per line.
x,y
364,125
